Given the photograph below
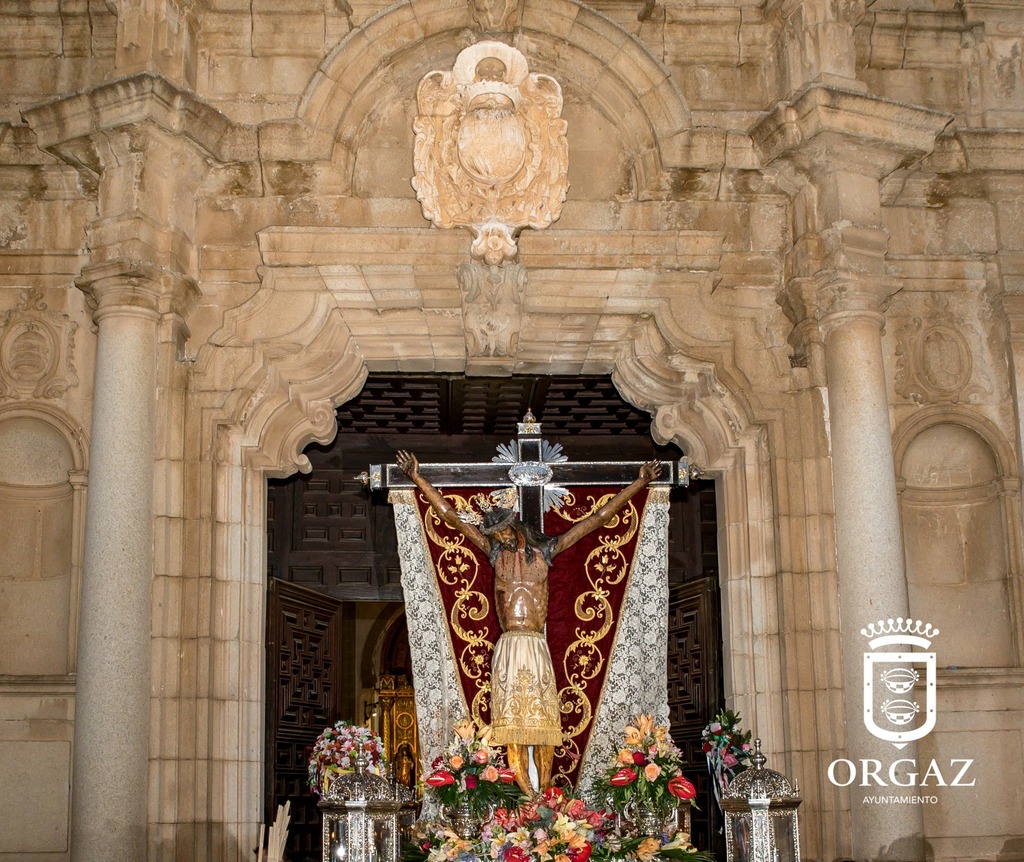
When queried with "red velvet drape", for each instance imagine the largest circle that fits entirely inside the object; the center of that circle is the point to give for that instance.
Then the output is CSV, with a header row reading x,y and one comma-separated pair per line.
x,y
586,585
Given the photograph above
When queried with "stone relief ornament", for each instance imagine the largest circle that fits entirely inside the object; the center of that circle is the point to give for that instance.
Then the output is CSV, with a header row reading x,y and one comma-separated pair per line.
x,y
495,15
934,361
492,298
36,350
490,153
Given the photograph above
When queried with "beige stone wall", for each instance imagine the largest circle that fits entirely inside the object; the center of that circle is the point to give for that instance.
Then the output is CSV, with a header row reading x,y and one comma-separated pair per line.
x,y
754,190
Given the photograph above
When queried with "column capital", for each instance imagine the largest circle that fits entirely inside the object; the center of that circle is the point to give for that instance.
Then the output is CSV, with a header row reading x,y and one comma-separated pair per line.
x,y
825,127
132,287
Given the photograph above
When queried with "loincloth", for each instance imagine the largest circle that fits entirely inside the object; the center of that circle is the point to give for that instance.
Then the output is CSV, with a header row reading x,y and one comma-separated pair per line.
x,y
524,699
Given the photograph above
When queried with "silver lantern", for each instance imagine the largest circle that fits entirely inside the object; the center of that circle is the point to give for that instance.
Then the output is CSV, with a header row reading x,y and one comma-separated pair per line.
x,y
365,817
761,822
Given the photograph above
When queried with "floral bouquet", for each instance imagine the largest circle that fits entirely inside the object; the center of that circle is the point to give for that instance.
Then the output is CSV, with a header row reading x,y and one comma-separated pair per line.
x,y
473,774
727,749
554,827
335,752
645,775
551,827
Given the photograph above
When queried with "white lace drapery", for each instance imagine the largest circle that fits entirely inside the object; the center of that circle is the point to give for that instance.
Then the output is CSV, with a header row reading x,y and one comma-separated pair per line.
x,y
636,680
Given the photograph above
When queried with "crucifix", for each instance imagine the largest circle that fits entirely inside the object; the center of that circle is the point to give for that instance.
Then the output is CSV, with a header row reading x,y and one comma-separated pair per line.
x,y
536,468
525,713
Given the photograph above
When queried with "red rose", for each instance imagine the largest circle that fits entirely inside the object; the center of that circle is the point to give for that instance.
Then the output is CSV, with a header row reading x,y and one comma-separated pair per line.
x,y
581,854
623,777
681,787
506,776
470,782
441,778
638,758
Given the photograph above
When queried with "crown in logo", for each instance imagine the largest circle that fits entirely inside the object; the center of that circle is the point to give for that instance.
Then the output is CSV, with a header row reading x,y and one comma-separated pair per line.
x,y
899,626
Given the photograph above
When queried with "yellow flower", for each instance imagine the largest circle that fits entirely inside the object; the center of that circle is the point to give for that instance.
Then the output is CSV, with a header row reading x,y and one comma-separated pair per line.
x,y
561,857
648,848
633,736
625,756
646,723
465,728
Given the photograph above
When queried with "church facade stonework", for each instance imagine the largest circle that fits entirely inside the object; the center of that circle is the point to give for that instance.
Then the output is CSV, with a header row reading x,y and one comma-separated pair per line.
x,y
790,230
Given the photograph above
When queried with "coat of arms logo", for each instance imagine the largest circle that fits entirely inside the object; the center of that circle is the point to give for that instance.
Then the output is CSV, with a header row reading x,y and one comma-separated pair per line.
x,y
490,153
892,672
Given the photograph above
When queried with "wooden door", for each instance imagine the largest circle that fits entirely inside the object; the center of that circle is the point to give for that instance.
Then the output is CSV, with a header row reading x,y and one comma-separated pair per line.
x,y
303,697
695,692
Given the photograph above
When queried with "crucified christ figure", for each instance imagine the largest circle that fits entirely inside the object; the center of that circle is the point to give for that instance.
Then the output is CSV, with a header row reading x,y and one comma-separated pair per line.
x,y
524,698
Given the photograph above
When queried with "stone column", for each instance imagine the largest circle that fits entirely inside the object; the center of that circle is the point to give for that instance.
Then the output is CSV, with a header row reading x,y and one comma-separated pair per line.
x,y
869,547
111,755
835,146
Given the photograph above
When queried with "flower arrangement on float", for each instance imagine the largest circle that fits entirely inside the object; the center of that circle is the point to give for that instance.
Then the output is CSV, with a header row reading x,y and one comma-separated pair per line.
x,y
470,779
556,826
727,749
644,781
335,751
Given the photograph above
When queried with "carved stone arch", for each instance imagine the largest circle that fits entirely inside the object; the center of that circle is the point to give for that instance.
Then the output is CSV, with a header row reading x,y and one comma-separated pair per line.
x,y
692,408
965,525
72,437
954,414
592,57
302,363
72,432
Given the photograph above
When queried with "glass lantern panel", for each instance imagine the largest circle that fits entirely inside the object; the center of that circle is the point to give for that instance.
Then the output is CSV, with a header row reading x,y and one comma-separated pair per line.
x,y
383,841
782,838
337,839
740,835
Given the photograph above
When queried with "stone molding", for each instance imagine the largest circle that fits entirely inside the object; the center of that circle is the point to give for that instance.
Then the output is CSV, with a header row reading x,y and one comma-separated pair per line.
x,y
833,127
685,250
134,100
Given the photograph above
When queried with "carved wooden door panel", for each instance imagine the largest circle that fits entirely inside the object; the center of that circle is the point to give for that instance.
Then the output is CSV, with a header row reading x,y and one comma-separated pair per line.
x,y
303,691
695,692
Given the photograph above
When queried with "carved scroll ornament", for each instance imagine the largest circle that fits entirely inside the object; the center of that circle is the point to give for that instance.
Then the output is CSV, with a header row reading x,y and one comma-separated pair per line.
x,y
490,153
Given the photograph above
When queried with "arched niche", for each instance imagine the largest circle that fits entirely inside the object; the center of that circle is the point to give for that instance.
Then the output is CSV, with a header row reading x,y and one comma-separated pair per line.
x,y
42,482
358,108
956,493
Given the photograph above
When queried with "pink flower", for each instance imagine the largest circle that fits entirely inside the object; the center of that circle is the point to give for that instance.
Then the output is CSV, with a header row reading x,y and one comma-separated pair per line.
x,y
730,759
490,773
481,755
470,782
652,771
456,761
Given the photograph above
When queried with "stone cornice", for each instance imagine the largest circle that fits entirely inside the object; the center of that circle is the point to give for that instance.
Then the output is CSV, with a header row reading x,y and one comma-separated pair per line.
x,y
135,100
428,247
829,127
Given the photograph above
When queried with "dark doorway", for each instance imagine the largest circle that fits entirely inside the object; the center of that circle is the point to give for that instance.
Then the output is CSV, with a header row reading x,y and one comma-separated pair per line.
x,y
328,536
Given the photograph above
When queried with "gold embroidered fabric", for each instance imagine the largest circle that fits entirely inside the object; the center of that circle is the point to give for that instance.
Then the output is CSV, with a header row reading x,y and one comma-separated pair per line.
x,y
524,698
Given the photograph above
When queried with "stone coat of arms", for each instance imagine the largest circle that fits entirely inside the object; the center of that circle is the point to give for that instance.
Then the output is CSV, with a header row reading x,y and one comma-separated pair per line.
x,y
491,153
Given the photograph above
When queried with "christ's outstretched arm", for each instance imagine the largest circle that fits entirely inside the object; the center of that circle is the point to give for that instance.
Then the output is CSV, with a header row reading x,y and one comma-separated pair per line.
x,y
648,473
411,467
